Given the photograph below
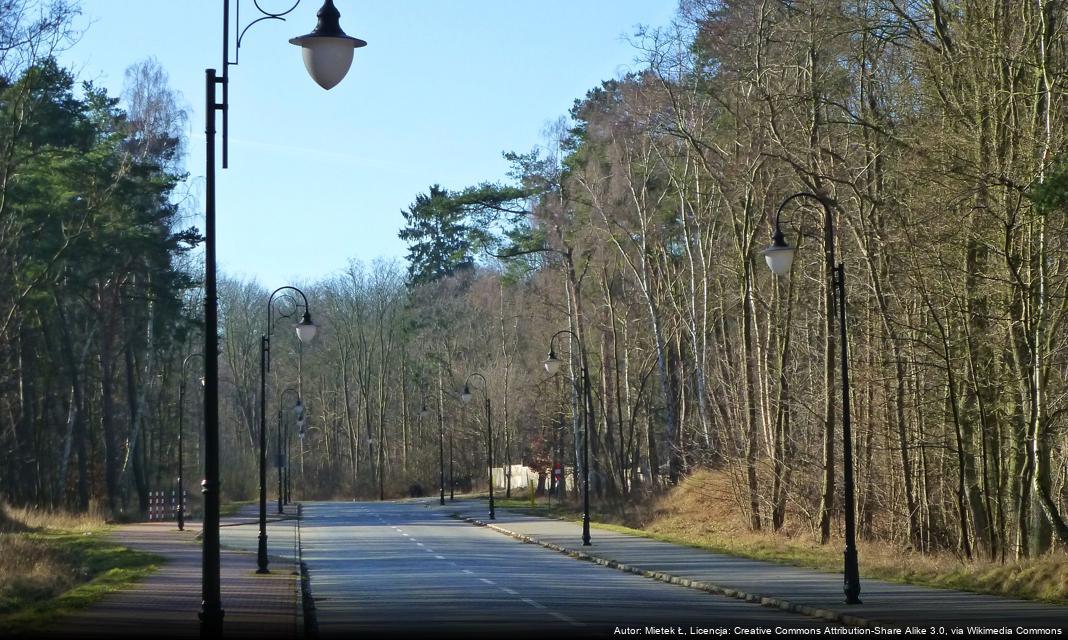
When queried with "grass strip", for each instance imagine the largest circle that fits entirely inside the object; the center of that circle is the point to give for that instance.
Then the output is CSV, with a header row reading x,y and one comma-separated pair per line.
x,y
56,572
1043,579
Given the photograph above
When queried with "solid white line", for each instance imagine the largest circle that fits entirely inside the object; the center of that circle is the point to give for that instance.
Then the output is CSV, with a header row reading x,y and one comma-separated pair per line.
x,y
487,581
533,604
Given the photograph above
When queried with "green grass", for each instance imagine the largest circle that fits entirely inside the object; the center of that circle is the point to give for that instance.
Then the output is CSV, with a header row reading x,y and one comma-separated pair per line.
x,y
54,572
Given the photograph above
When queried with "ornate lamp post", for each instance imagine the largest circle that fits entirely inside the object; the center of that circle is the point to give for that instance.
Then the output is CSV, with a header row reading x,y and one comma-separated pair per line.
x,y
780,258
552,366
305,330
329,63
181,428
466,397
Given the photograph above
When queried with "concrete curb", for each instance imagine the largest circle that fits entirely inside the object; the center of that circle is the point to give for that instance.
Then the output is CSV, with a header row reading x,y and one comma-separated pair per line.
x,y
300,576
307,620
776,603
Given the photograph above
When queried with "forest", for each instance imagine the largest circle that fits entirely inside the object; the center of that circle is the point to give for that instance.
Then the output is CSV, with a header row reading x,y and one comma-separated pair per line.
x,y
929,136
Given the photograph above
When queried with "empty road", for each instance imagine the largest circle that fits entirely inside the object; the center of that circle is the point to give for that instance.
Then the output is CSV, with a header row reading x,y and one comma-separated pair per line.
x,y
407,568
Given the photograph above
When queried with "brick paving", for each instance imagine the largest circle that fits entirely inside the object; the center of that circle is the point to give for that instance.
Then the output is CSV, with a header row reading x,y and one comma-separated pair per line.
x,y
166,603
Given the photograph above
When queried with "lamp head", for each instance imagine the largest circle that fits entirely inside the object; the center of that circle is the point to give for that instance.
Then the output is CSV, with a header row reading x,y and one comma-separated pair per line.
x,y
424,412
552,363
466,395
780,255
306,329
298,410
327,49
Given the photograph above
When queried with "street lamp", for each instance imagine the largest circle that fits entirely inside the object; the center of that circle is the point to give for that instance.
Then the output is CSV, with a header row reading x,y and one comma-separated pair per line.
x,y
181,460
305,330
211,611
298,410
780,257
552,366
466,397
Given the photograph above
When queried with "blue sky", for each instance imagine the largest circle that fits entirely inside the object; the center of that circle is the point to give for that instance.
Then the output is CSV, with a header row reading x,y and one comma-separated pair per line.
x,y
319,177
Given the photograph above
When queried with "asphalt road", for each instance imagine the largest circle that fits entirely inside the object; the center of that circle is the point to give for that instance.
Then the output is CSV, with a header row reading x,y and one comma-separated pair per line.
x,y
404,568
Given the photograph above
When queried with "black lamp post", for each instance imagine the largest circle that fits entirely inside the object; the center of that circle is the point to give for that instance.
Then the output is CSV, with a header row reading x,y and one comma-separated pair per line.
x,y
181,428
298,410
452,478
423,413
327,61
466,397
552,366
780,257
305,333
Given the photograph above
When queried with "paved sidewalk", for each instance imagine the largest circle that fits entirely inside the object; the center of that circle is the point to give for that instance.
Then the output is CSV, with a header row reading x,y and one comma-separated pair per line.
x,y
792,588
166,603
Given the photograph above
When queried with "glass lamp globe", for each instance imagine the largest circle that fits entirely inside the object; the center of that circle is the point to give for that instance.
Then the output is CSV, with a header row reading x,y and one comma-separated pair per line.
x,y
780,255
552,364
306,329
298,410
466,395
327,50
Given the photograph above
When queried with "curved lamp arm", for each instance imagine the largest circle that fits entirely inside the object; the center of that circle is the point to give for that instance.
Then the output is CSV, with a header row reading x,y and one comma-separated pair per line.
x,y
185,361
552,363
466,394
305,328
780,255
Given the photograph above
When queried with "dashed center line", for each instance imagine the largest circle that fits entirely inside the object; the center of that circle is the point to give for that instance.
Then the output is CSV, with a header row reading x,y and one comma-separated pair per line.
x,y
469,572
569,620
536,605
440,557
487,581
420,544
510,592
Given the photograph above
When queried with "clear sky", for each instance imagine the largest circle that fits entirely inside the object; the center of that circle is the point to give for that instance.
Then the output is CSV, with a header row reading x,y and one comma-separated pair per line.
x,y
318,177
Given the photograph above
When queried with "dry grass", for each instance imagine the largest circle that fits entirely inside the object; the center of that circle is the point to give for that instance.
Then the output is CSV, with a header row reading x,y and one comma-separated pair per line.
x,y
51,562
703,512
41,519
700,512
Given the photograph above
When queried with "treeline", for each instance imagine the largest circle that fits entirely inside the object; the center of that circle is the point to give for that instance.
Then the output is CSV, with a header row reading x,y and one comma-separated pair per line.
x,y
91,288
934,133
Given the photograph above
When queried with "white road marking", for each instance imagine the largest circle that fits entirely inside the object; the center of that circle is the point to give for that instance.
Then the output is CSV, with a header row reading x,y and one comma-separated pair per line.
x,y
440,557
532,603
560,616
487,581
509,591
469,572
420,544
